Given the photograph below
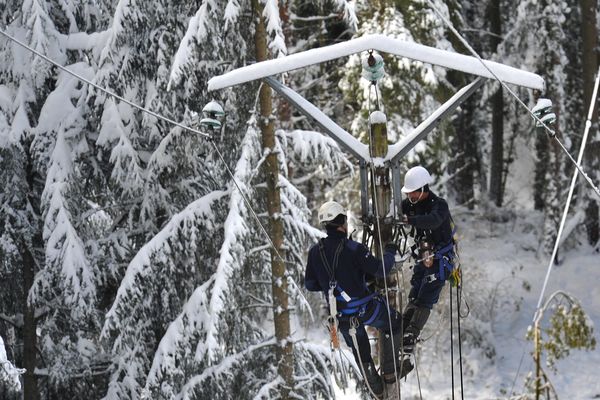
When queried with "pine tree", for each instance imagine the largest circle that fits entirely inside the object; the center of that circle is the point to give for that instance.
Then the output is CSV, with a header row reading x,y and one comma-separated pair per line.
x,y
547,56
198,265
590,63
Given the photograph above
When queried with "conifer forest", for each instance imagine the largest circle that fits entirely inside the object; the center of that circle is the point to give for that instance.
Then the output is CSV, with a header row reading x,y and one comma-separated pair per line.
x,y
144,255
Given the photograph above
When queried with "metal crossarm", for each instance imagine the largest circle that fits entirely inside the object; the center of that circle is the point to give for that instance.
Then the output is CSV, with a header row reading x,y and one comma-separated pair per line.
x,y
400,149
339,134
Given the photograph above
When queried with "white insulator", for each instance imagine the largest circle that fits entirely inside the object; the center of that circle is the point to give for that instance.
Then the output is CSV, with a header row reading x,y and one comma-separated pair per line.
x,y
213,109
374,72
542,104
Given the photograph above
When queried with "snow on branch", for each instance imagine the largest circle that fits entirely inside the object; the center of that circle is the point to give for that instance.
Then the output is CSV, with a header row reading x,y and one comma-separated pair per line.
x,y
66,260
296,216
310,147
9,374
197,30
188,325
197,214
223,367
233,253
274,29
347,7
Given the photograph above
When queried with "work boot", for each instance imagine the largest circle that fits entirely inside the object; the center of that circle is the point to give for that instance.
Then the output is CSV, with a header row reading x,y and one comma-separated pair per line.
x,y
405,366
372,379
418,318
387,355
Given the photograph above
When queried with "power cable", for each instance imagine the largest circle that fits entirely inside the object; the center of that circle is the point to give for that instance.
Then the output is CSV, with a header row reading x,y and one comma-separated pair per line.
x,y
551,132
108,92
458,301
588,124
168,120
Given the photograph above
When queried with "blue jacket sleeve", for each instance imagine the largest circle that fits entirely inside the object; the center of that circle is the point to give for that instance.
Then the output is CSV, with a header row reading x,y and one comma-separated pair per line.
x,y
373,265
311,281
439,213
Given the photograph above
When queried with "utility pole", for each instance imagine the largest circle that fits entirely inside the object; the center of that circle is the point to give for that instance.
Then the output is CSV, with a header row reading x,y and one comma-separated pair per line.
x,y
381,190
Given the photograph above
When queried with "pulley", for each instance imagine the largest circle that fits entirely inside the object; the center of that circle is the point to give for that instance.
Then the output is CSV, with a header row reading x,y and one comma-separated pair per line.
x,y
372,68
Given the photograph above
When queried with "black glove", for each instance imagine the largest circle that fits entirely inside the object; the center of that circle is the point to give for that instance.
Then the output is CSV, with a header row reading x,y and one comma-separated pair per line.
x,y
392,247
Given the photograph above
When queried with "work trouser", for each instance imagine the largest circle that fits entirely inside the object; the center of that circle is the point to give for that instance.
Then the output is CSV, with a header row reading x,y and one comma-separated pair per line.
x,y
424,292
374,314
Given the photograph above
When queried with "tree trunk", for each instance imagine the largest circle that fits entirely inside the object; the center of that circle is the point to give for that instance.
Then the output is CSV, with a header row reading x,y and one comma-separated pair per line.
x,y
497,151
30,387
285,359
589,34
463,151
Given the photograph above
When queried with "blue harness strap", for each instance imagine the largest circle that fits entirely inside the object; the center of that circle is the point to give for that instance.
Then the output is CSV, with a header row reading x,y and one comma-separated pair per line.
x,y
445,254
353,306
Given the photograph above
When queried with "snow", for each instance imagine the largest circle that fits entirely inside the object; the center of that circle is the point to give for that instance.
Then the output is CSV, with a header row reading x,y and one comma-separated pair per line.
x,y
503,275
9,374
377,117
142,265
213,107
541,104
383,44
344,138
196,31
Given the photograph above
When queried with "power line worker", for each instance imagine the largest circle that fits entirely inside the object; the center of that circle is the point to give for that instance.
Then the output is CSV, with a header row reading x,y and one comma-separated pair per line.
x,y
338,266
432,225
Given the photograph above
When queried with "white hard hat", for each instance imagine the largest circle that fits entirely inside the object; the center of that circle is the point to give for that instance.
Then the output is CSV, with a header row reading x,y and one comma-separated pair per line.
x,y
330,210
415,179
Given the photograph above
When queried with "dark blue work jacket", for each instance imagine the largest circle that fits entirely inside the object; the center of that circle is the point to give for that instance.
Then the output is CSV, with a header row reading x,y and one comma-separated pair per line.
x,y
355,261
431,218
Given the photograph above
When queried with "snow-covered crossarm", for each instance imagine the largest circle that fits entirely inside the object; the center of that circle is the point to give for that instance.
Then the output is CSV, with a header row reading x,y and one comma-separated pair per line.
x,y
345,139
399,150
381,43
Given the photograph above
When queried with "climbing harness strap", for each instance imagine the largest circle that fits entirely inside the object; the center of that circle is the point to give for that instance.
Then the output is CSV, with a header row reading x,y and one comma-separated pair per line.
x,y
446,256
332,323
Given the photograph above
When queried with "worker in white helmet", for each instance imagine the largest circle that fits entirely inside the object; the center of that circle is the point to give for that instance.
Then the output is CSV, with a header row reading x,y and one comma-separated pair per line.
x,y
434,250
338,267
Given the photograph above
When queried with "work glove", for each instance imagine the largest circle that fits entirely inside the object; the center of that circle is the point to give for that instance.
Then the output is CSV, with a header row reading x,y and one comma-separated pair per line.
x,y
391,247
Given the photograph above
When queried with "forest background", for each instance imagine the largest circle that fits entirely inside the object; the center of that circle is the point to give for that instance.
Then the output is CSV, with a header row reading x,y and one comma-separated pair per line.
x,y
130,265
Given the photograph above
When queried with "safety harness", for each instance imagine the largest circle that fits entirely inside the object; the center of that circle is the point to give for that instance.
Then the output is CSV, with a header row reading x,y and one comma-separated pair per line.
x,y
445,256
354,305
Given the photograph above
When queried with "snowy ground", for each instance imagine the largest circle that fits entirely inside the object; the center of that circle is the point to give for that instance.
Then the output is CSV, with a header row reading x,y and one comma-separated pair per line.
x,y
504,271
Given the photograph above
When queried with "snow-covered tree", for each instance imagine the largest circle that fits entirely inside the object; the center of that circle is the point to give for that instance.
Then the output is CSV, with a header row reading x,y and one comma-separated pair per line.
x,y
198,289
9,374
547,54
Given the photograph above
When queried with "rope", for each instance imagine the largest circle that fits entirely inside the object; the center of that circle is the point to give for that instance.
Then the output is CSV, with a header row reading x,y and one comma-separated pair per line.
x,y
165,119
517,373
588,124
353,324
458,296
451,343
376,209
417,371
550,132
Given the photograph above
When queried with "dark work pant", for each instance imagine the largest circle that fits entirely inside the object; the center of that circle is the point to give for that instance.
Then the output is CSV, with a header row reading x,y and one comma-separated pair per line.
x,y
377,308
424,293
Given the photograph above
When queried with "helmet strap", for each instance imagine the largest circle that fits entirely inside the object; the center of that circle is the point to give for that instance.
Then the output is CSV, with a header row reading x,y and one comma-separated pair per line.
x,y
419,199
